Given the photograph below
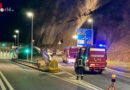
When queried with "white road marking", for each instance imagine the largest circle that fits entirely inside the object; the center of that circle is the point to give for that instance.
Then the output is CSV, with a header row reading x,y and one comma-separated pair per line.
x,y
2,85
65,71
82,83
6,81
59,73
118,72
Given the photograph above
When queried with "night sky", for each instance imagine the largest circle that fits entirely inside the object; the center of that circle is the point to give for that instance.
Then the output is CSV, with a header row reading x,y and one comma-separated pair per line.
x,y
9,21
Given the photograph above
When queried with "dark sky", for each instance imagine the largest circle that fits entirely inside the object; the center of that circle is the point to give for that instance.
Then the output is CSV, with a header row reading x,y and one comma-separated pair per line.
x,y
9,21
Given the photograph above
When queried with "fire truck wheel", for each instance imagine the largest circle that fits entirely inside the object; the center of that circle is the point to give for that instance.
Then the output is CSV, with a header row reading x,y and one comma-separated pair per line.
x,y
100,71
91,71
64,61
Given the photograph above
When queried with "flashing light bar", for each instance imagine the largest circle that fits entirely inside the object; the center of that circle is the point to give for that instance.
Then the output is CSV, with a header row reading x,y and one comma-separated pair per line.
x,y
101,45
96,49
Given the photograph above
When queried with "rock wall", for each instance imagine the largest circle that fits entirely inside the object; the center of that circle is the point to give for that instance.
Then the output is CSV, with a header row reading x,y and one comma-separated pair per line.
x,y
61,18
113,27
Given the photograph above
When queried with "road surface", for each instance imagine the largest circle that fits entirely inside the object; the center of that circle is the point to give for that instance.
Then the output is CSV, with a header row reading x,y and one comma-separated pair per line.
x,y
102,80
24,78
21,77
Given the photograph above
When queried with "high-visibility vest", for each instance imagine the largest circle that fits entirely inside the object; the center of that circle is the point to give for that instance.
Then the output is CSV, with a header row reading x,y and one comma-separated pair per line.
x,y
79,63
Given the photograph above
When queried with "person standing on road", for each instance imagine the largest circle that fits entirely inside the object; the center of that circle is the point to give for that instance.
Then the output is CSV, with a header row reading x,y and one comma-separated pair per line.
x,y
79,65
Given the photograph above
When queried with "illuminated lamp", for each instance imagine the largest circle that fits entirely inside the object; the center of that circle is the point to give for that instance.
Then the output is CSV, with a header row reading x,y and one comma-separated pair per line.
x,y
101,45
113,78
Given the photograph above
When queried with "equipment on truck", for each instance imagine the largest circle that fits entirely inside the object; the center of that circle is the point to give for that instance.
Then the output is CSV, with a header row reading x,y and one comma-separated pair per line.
x,y
69,53
95,58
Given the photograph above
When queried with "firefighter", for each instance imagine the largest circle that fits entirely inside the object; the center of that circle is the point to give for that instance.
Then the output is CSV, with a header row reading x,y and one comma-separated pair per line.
x,y
79,65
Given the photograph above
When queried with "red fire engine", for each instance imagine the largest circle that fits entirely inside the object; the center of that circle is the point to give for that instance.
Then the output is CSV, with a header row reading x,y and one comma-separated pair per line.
x,y
94,58
69,53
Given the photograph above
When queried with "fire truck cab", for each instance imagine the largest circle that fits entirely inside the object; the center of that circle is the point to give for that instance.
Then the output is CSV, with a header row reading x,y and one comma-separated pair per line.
x,y
94,58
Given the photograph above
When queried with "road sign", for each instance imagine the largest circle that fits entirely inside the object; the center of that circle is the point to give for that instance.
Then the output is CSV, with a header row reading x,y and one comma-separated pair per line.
x,y
85,37
53,66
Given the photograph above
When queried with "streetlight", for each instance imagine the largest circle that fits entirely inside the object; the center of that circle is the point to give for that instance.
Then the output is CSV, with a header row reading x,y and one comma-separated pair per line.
x,y
75,39
17,32
90,20
31,15
15,36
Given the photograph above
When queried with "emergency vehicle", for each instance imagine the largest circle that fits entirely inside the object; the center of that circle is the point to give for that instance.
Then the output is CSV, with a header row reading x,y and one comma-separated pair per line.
x,y
69,54
94,58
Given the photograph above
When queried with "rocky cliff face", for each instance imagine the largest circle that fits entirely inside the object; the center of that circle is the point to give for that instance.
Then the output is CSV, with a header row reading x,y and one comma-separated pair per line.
x,y
113,27
60,19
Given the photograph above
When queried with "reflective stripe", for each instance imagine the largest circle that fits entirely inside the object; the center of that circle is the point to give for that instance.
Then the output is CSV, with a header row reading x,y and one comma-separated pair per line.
x,y
80,63
96,49
96,62
97,55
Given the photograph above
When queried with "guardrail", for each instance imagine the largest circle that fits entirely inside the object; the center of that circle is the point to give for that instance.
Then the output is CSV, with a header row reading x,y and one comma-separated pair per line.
x,y
32,63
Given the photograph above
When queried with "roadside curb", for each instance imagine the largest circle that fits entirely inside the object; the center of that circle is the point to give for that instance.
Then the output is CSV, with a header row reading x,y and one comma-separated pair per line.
x,y
20,62
120,70
43,70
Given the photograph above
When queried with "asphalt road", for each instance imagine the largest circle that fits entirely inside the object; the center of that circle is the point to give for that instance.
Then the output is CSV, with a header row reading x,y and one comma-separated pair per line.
x,y
102,80
24,78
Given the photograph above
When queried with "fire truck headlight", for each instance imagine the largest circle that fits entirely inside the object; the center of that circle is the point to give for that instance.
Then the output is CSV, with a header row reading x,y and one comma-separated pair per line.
x,y
87,60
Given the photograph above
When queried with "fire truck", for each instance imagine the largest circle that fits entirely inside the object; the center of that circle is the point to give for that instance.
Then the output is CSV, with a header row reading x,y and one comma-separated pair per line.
x,y
94,59
69,54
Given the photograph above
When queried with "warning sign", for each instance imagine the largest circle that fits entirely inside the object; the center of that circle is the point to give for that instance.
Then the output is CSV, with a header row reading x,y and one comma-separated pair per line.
x,y
53,66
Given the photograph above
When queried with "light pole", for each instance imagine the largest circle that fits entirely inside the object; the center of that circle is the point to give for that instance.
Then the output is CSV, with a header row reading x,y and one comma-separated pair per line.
x,y
27,51
31,15
17,32
14,36
90,20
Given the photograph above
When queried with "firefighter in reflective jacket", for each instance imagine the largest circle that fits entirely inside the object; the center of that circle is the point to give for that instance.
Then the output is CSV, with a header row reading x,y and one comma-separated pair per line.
x,y
79,65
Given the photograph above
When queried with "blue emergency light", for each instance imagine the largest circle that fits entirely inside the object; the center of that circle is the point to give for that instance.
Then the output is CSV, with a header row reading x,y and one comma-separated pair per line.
x,y
101,45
